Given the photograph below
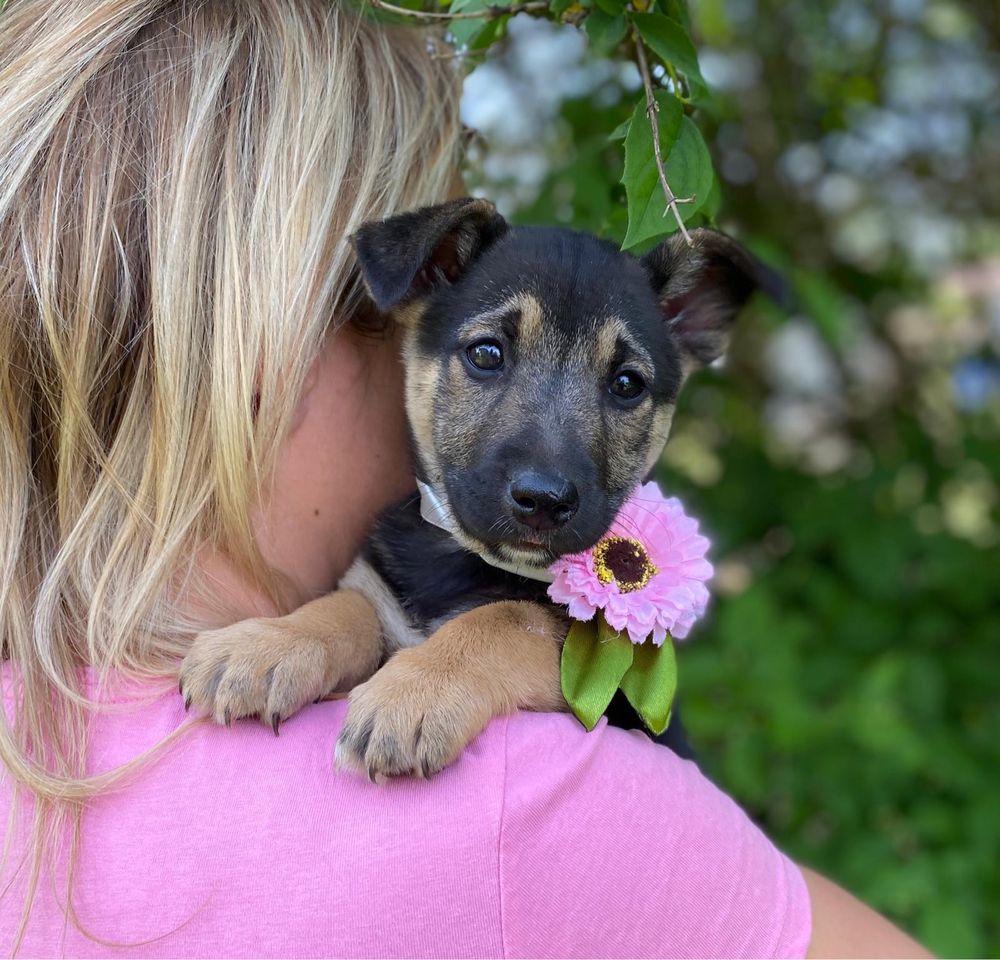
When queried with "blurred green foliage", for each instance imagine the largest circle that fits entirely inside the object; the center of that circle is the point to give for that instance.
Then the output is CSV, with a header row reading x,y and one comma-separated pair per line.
x,y
846,691
845,461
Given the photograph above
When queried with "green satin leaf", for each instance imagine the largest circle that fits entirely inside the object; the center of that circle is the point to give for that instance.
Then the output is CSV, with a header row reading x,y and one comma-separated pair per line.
x,y
688,167
621,131
594,660
475,33
713,201
651,682
672,44
604,31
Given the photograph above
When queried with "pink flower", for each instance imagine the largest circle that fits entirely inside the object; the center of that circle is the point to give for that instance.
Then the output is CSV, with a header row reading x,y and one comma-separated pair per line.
x,y
647,574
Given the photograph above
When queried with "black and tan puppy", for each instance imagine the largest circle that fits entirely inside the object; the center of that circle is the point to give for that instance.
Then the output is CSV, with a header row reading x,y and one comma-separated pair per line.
x,y
542,369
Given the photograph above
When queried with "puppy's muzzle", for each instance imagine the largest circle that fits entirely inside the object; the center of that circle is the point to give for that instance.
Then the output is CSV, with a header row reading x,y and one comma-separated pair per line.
x,y
542,501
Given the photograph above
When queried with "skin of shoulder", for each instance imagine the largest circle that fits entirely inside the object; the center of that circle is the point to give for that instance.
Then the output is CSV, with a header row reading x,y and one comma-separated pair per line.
x,y
843,926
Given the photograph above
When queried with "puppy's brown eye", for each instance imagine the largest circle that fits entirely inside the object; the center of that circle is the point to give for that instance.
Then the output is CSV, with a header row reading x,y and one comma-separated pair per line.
x,y
627,385
485,355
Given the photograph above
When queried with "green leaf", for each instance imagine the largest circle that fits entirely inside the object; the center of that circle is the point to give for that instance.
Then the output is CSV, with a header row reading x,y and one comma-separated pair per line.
x,y
490,33
677,10
610,7
467,32
713,201
670,42
604,32
651,682
687,163
594,660
621,131
558,7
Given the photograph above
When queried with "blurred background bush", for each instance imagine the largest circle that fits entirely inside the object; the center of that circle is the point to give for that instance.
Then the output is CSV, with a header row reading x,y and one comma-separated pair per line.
x,y
845,459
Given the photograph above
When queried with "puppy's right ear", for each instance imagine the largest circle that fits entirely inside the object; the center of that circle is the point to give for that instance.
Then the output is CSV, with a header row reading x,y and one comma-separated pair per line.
x,y
406,256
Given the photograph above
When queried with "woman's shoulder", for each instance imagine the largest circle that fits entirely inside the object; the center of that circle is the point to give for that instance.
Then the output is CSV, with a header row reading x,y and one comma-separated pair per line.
x,y
635,848
592,843
519,755
237,842
541,840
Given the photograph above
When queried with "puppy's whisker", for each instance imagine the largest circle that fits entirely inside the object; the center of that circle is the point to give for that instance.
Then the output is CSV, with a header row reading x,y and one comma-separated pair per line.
x,y
496,524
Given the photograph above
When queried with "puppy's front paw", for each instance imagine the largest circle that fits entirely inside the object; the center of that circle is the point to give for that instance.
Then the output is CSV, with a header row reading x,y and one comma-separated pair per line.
x,y
256,668
410,718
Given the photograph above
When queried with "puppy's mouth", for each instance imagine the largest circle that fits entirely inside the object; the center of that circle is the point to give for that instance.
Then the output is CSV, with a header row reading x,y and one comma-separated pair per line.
x,y
529,552
516,544
534,548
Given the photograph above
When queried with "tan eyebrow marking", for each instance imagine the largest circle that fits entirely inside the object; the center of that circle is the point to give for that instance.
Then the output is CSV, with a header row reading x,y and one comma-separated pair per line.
x,y
530,323
529,333
612,331
605,345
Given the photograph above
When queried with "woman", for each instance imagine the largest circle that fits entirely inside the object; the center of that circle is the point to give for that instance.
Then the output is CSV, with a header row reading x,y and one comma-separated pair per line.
x,y
198,419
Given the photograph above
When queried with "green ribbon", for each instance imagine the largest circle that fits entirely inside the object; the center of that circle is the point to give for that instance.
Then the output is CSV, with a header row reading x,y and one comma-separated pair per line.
x,y
597,660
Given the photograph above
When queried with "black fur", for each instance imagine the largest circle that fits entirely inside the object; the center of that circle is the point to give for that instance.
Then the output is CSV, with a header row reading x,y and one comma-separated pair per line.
x,y
432,575
407,255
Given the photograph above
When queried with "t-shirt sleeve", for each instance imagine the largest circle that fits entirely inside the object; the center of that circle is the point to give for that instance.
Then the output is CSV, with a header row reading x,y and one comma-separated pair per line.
x,y
612,846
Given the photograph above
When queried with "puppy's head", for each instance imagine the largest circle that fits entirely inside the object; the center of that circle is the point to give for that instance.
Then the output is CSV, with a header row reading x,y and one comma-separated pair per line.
x,y
543,365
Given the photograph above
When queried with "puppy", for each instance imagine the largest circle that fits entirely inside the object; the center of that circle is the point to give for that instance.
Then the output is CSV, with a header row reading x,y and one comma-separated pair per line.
x,y
542,369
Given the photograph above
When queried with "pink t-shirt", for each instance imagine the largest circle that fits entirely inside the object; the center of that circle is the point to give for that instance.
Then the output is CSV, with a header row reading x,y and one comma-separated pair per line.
x,y
541,841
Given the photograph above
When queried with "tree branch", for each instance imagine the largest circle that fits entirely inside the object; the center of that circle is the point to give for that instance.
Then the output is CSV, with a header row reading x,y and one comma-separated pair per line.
x,y
488,13
652,108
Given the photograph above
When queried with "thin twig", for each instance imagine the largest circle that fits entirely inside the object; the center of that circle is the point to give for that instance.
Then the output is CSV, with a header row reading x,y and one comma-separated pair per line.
x,y
487,13
652,108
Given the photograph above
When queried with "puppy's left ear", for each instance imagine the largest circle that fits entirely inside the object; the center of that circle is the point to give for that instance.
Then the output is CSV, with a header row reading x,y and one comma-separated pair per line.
x,y
701,289
405,257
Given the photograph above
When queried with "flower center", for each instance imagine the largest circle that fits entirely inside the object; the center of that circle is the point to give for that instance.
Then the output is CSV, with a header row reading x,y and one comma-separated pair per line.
x,y
625,561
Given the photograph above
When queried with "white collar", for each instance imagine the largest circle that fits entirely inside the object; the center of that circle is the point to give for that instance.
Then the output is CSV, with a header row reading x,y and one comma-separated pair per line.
x,y
435,512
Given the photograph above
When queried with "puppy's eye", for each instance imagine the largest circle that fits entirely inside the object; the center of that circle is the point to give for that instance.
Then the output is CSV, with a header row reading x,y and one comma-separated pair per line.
x,y
627,385
485,355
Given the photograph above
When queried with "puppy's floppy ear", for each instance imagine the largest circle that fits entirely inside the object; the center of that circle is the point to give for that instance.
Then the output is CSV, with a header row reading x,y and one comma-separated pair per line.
x,y
404,257
702,287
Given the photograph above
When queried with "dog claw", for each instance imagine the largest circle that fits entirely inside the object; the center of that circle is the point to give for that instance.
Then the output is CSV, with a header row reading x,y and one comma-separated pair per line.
x,y
275,722
187,703
227,717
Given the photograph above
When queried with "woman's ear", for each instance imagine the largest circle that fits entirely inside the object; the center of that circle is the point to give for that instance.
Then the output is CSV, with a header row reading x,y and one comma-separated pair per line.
x,y
405,257
702,287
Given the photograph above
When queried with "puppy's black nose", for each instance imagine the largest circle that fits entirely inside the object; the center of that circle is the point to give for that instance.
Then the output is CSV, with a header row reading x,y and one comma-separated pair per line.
x,y
542,501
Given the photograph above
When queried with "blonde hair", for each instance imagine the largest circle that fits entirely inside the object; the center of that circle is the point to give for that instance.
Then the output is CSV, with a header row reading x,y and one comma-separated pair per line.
x,y
177,182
